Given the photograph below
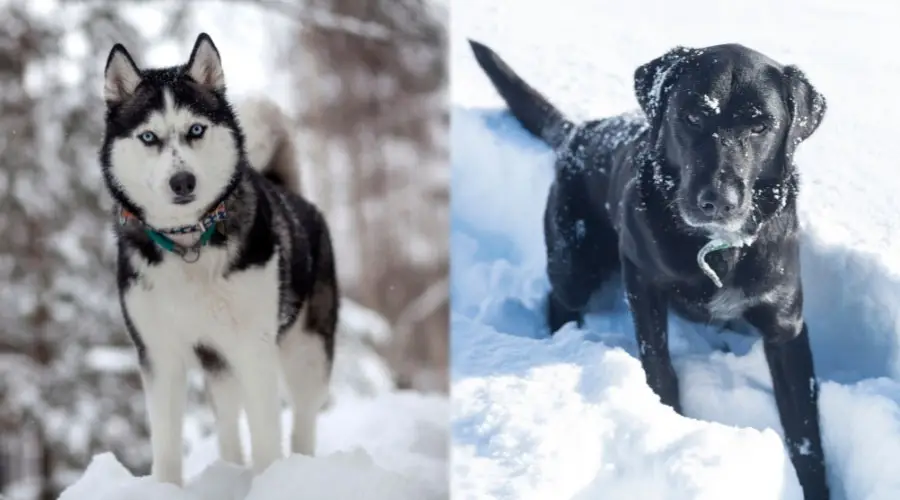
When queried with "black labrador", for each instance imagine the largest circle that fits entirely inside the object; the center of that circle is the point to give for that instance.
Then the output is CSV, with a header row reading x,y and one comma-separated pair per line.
x,y
695,202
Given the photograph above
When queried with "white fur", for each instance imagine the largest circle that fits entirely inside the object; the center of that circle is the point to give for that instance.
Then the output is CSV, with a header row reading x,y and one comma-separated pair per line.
x,y
268,139
264,125
224,394
143,172
305,370
729,303
176,305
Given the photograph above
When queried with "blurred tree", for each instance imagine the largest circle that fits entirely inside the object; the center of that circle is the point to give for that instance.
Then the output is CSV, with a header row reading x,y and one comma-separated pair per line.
x,y
61,399
372,95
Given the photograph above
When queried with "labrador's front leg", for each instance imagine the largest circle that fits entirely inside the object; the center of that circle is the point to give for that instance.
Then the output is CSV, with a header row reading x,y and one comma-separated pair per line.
x,y
796,390
649,310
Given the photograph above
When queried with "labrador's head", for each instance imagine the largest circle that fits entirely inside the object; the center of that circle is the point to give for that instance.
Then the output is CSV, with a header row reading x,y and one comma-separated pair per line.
x,y
725,120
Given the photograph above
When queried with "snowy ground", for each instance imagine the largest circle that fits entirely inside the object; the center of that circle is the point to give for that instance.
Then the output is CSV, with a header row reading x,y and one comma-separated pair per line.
x,y
391,447
571,416
374,442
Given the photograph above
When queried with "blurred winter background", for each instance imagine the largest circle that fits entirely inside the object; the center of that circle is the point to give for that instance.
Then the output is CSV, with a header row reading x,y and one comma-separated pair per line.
x,y
364,81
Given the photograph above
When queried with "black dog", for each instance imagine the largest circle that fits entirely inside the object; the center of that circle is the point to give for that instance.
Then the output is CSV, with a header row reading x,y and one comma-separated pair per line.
x,y
707,169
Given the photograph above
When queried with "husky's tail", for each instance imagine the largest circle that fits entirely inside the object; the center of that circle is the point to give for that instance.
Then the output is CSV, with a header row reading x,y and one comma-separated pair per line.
x,y
324,301
269,142
532,109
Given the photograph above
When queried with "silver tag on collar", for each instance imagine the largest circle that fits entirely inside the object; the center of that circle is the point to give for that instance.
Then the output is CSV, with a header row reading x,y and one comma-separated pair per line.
x,y
714,245
190,254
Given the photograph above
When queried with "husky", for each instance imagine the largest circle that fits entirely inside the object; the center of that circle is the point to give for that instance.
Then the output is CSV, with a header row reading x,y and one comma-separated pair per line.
x,y
222,265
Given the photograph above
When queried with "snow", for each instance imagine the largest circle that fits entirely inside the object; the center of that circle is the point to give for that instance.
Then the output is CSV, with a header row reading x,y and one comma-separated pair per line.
x,y
374,441
571,416
389,447
712,103
111,359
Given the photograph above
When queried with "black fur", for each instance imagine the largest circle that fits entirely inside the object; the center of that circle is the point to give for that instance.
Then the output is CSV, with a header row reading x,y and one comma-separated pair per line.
x,y
324,296
261,241
210,360
711,154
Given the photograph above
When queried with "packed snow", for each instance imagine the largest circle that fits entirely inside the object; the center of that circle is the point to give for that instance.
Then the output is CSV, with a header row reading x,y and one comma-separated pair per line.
x,y
390,447
571,416
374,441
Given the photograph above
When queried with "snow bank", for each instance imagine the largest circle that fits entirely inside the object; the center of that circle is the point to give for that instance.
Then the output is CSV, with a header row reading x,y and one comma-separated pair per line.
x,y
571,416
343,475
389,447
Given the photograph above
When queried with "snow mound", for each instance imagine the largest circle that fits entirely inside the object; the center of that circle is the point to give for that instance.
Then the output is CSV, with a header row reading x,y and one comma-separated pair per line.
x,y
340,476
389,447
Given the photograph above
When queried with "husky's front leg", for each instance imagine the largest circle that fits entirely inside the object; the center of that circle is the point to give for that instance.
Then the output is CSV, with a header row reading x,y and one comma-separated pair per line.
x,y
225,394
258,374
165,387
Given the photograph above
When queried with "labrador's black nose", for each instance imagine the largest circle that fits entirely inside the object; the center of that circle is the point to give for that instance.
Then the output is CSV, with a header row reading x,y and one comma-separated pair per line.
x,y
717,204
183,183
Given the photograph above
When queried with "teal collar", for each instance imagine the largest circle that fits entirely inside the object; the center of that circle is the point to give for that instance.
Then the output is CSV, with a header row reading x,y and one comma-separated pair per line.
x,y
192,253
189,254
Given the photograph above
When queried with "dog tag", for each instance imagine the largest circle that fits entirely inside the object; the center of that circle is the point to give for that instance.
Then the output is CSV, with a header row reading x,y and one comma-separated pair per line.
x,y
712,246
191,255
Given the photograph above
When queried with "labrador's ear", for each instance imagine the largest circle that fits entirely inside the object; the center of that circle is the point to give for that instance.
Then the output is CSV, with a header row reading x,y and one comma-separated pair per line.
x,y
653,79
807,107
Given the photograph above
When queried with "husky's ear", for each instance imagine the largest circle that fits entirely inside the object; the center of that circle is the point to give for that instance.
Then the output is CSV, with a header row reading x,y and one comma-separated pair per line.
x,y
121,75
205,65
807,107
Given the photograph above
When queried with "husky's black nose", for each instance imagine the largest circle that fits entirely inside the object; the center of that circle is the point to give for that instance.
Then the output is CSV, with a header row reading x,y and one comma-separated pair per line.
x,y
183,183
717,204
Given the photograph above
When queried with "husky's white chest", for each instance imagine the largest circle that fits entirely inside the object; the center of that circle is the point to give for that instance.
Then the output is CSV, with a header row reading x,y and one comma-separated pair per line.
x,y
176,305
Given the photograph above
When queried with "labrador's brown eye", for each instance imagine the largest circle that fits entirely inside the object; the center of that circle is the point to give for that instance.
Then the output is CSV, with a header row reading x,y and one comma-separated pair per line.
x,y
759,128
693,119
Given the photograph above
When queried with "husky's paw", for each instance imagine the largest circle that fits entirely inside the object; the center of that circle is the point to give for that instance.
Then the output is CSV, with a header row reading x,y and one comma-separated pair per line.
x,y
168,473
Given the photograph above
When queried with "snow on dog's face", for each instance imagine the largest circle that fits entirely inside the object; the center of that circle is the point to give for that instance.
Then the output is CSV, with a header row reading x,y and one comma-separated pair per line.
x,y
726,121
172,145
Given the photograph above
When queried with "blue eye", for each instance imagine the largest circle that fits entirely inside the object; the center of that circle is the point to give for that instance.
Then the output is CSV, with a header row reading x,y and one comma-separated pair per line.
x,y
196,131
148,138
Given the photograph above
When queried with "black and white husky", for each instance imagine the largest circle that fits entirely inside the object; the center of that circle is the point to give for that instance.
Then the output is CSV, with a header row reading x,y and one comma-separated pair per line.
x,y
221,265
